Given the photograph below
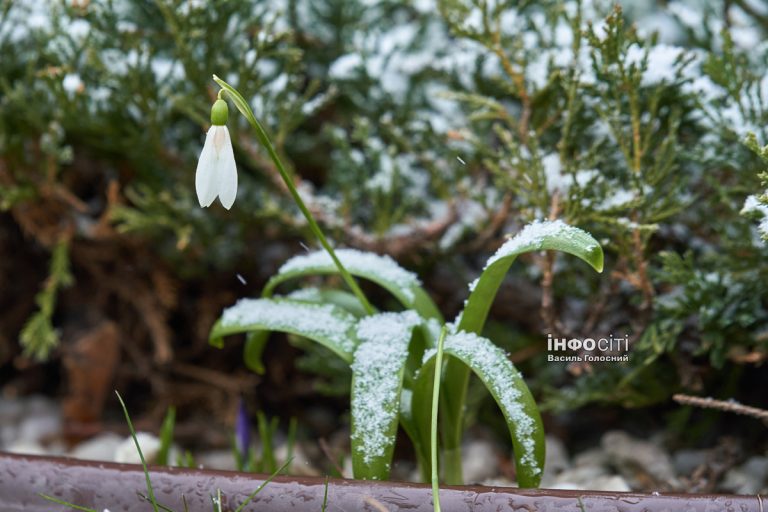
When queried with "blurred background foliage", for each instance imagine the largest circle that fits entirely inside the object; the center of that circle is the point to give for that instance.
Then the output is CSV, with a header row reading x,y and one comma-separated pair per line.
x,y
426,130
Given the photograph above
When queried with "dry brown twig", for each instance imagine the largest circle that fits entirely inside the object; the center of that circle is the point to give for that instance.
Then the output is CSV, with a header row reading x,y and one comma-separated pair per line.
x,y
548,313
722,405
237,383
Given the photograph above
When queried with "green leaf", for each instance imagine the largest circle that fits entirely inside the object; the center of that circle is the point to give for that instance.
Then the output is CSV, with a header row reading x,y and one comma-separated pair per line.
x,y
255,341
416,393
340,298
537,236
412,428
377,380
166,436
267,431
512,395
382,270
150,490
326,324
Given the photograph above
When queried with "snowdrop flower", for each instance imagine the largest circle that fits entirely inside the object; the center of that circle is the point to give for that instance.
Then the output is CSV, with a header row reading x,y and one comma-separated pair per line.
x,y
216,173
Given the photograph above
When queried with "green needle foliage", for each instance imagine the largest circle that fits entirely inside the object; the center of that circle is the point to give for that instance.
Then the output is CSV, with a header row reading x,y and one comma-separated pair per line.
x,y
39,337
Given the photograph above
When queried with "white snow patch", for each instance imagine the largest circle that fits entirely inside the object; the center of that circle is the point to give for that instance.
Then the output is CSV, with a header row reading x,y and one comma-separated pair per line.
x,y
471,215
72,83
618,199
316,103
662,62
311,294
753,205
557,181
688,16
79,29
344,67
166,69
662,23
553,172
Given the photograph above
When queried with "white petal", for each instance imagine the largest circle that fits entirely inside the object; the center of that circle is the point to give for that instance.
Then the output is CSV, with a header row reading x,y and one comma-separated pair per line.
x,y
205,176
227,172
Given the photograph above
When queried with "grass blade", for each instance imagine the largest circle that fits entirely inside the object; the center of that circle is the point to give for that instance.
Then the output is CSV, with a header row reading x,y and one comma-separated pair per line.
x,y
150,491
325,496
266,432
66,503
166,436
258,489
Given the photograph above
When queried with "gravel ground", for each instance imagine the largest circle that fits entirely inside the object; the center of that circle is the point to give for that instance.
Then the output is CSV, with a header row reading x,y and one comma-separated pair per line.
x,y
621,462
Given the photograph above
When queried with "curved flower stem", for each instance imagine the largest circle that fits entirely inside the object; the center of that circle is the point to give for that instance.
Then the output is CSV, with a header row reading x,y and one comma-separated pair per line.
x,y
433,427
261,134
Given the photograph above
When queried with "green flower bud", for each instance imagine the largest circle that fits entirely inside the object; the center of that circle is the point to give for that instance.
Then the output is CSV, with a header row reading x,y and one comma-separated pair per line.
x,y
219,113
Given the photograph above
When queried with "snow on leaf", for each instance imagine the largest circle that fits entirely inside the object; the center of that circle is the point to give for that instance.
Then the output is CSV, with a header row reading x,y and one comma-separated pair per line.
x,y
377,370
539,235
533,236
325,323
359,263
511,393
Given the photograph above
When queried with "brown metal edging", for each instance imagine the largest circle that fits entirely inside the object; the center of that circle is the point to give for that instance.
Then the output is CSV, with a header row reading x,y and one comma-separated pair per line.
x,y
116,487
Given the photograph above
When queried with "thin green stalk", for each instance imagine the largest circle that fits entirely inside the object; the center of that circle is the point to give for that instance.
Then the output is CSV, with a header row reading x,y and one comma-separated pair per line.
x,y
433,427
325,496
265,141
259,488
150,492
66,503
265,432
162,507
166,436
216,501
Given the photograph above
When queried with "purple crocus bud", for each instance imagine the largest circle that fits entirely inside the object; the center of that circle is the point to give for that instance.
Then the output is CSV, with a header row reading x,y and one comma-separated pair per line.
x,y
243,431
